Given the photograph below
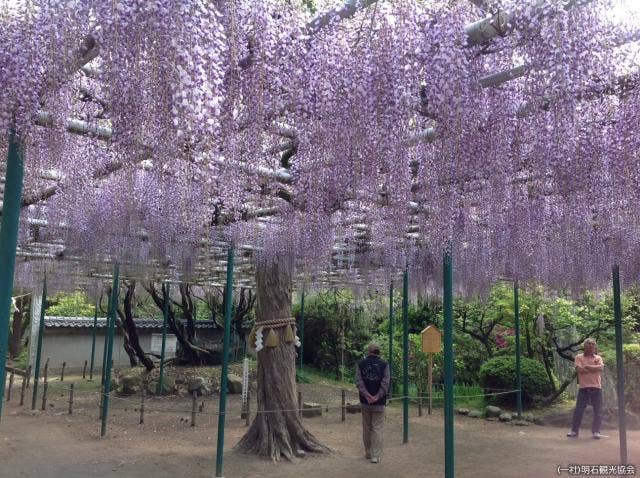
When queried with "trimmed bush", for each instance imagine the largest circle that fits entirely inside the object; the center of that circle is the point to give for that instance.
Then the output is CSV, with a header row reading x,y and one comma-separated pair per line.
x,y
631,358
499,374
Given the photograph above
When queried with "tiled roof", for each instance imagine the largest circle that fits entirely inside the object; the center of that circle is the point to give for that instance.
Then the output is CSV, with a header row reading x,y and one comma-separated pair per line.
x,y
87,322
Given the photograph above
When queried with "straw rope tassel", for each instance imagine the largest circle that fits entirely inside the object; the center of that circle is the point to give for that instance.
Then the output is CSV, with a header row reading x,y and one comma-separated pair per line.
x,y
272,339
289,336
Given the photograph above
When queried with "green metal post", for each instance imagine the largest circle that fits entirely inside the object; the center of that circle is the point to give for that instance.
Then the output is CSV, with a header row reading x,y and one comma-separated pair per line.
x,y
516,308
93,339
107,376
390,357
622,417
8,244
301,335
106,339
225,362
449,471
36,373
165,318
405,357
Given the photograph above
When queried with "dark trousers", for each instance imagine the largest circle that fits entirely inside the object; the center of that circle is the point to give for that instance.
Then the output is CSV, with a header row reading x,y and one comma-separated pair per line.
x,y
585,396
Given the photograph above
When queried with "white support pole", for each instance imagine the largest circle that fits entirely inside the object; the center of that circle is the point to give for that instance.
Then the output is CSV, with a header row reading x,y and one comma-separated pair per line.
x,y
36,304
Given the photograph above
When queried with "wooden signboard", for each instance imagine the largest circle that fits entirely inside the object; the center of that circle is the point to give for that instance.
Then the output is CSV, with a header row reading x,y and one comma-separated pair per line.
x,y
431,340
431,344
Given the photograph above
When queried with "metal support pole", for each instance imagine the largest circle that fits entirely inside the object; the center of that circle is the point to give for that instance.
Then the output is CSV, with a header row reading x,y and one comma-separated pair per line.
x,y
516,309
93,340
106,339
45,387
165,318
23,389
392,386
301,334
225,361
449,471
11,377
8,243
71,399
36,374
143,392
405,357
430,381
107,376
622,416
105,346
343,408
194,398
248,410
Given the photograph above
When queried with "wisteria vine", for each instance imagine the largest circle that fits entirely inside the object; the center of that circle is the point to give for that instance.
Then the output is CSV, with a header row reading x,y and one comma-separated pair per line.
x,y
369,145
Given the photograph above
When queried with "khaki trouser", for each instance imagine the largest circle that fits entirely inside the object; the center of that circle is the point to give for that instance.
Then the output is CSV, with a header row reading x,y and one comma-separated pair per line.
x,y
372,432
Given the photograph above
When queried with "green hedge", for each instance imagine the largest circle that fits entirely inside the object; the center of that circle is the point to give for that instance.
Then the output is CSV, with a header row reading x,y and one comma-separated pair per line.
x,y
631,360
499,373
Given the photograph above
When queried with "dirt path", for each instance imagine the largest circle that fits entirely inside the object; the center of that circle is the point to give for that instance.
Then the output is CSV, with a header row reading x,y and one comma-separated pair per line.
x,y
56,445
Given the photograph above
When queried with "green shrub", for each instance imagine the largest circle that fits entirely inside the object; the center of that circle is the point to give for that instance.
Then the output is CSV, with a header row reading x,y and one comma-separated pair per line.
x,y
336,332
631,359
302,376
499,374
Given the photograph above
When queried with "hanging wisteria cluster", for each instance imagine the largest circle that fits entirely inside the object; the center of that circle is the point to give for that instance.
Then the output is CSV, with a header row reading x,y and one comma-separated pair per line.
x,y
371,143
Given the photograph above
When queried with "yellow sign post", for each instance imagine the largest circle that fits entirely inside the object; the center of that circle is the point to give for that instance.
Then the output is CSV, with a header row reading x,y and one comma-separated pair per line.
x,y
431,344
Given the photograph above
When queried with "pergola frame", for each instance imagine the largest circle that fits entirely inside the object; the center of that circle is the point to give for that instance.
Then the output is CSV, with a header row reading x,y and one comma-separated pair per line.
x,y
477,33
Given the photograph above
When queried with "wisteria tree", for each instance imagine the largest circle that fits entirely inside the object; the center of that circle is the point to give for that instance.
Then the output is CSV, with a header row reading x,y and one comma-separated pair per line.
x,y
366,139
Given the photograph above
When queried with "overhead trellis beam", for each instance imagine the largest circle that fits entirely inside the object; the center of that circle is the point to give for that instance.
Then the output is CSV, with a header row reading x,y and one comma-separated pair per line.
x,y
104,133
347,10
488,28
497,79
426,136
619,87
483,5
76,126
500,23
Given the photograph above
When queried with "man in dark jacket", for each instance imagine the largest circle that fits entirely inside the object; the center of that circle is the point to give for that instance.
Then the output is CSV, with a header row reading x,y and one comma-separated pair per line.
x,y
372,379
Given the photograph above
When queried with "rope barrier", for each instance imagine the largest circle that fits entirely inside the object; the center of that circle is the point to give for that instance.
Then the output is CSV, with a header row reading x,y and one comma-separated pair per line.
x,y
171,399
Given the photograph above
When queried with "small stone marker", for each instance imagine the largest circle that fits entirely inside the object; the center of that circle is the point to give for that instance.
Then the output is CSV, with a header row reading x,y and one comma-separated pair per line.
x,y
505,417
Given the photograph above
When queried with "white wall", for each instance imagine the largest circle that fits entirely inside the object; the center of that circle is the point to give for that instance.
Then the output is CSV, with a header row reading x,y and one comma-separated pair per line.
x,y
74,347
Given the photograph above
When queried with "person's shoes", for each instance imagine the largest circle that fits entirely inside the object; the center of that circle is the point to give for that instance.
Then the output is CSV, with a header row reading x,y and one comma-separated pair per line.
x,y
375,460
596,435
573,434
367,456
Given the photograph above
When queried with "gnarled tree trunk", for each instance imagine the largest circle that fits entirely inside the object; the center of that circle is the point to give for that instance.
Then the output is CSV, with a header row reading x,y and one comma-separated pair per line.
x,y
130,331
277,429
18,326
189,353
